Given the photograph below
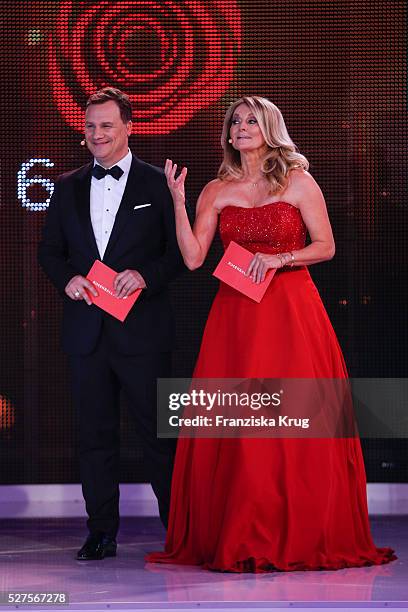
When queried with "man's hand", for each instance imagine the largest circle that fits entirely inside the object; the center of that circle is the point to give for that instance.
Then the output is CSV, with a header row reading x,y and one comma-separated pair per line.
x,y
76,289
127,282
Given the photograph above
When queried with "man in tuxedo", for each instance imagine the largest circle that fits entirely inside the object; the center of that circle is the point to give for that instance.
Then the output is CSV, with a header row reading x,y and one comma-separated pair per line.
x,y
116,209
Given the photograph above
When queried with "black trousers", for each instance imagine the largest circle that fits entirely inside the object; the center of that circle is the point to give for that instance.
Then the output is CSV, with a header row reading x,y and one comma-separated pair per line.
x,y
97,380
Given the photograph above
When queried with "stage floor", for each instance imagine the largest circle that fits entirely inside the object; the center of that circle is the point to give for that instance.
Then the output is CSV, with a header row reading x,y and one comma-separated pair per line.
x,y
37,555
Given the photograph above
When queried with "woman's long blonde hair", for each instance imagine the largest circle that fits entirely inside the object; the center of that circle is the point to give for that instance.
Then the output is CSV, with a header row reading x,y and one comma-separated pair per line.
x,y
281,154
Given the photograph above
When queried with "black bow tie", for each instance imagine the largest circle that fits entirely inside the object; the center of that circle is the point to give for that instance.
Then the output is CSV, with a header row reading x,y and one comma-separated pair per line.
x,y
98,172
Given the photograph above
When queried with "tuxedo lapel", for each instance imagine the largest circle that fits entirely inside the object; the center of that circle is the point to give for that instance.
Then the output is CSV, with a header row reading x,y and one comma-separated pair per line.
x,y
82,203
127,203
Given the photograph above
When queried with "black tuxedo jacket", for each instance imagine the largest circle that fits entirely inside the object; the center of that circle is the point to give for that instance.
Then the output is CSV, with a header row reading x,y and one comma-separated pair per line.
x,y
142,239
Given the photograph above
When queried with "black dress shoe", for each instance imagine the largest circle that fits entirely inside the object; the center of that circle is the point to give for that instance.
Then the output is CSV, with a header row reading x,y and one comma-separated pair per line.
x,y
96,547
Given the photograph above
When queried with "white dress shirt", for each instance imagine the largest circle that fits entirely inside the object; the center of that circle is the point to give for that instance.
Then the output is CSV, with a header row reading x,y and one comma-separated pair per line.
x,y
106,196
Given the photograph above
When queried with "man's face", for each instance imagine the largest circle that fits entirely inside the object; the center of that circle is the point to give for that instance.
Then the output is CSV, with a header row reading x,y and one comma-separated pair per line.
x,y
105,133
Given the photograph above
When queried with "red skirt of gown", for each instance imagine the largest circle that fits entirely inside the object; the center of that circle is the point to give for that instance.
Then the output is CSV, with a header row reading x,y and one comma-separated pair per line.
x,y
261,505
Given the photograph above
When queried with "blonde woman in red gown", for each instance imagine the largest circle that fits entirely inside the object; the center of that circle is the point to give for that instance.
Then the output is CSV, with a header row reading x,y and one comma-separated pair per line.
x,y
260,505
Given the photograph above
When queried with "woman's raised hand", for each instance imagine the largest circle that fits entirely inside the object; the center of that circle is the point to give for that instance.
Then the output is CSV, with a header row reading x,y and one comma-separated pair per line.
x,y
176,185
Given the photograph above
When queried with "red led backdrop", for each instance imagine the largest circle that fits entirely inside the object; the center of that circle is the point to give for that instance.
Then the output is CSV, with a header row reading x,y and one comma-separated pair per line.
x,y
188,57
337,70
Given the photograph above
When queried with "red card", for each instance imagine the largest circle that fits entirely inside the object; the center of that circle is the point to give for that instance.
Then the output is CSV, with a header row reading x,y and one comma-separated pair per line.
x,y
232,268
102,277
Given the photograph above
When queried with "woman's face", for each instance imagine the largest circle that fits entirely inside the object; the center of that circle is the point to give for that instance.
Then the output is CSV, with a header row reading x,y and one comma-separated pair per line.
x,y
245,132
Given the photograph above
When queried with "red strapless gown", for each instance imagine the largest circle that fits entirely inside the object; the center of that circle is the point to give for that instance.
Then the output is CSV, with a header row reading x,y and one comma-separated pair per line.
x,y
269,504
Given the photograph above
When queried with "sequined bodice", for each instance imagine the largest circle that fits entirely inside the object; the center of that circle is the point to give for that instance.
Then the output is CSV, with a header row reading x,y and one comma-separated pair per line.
x,y
272,228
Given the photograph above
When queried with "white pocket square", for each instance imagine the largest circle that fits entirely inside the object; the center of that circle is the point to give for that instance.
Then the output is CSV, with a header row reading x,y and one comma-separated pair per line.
x,y
141,205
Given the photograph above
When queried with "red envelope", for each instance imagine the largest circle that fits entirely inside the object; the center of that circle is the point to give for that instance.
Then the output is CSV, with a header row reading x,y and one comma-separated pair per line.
x,y
102,277
232,268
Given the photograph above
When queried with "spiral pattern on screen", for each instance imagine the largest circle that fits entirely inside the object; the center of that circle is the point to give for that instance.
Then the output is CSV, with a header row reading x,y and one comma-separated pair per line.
x,y
172,57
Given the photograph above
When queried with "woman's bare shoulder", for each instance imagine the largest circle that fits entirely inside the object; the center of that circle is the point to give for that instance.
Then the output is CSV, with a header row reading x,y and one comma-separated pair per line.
x,y
213,187
209,195
301,182
299,176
